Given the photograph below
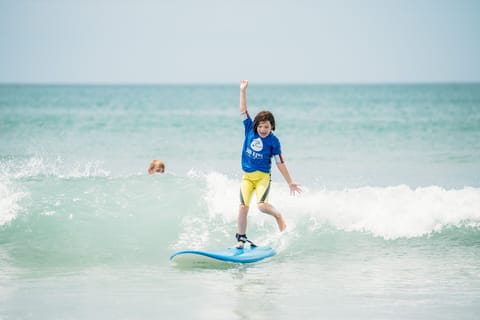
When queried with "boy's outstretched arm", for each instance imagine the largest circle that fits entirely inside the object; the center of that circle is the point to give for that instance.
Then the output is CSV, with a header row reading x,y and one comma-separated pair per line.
x,y
294,187
243,96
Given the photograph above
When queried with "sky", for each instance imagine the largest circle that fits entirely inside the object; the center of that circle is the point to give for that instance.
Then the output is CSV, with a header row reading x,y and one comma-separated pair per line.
x,y
222,41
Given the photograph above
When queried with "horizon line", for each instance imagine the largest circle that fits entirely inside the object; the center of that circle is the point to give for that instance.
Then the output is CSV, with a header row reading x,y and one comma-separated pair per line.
x,y
54,83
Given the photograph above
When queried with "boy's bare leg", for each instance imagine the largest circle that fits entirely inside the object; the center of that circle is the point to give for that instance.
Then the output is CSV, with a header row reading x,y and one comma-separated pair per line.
x,y
269,209
242,222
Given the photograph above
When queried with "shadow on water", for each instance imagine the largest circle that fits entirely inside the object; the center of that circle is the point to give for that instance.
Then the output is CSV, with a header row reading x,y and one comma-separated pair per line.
x,y
205,263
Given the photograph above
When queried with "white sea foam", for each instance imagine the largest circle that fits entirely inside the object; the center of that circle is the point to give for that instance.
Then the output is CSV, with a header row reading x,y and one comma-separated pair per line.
x,y
388,212
52,166
9,199
393,212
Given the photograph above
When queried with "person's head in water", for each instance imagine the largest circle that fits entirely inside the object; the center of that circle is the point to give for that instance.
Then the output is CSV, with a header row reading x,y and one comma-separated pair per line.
x,y
156,166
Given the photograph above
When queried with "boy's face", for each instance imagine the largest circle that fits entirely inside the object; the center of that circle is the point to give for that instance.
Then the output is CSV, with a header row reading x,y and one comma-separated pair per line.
x,y
264,128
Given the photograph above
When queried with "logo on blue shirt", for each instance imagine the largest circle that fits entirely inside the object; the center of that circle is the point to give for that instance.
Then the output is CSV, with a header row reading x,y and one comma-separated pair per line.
x,y
257,144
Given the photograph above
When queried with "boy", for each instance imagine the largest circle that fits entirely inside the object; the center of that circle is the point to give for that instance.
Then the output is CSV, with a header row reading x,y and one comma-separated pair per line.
x,y
259,146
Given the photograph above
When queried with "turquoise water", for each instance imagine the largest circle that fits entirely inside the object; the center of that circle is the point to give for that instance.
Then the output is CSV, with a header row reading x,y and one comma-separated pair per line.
x,y
388,226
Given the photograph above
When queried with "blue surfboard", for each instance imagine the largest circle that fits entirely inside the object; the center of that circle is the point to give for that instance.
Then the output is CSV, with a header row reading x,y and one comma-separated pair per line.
x,y
233,255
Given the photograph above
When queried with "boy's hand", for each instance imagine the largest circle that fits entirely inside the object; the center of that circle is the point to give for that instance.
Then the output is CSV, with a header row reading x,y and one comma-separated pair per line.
x,y
295,187
243,84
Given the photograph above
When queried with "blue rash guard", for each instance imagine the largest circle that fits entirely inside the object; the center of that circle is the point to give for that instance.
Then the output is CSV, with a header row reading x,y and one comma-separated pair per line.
x,y
257,151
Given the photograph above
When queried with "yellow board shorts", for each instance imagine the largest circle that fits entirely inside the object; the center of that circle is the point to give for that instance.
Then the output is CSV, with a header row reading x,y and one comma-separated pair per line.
x,y
258,181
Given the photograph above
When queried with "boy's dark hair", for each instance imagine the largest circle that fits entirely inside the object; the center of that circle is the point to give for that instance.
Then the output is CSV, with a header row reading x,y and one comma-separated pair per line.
x,y
263,116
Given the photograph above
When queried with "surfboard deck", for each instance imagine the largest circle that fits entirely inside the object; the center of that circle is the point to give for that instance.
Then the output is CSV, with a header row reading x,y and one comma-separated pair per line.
x,y
233,255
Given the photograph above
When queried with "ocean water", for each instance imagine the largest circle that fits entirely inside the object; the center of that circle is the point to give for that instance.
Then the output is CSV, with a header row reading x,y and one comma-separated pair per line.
x,y
388,225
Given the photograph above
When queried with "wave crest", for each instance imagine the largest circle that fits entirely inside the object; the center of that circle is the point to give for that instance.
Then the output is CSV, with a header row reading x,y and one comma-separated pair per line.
x,y
393,212
51,166
9,202
388,212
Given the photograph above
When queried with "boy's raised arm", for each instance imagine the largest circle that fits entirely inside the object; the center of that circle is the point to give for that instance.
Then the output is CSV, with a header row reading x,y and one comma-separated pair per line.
x,y
243,96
